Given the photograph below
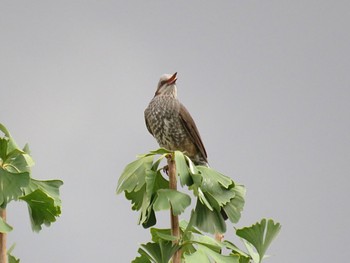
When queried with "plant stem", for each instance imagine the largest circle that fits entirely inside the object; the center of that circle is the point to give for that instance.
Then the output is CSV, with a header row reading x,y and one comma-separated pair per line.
x,y
175,229
3,251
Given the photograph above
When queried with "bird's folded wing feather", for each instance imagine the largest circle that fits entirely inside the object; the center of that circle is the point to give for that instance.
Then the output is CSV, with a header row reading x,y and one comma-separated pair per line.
x,y
147,125
190,126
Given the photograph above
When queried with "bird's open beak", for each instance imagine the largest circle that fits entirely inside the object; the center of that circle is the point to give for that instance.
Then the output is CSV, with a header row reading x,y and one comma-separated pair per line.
x,y
172,79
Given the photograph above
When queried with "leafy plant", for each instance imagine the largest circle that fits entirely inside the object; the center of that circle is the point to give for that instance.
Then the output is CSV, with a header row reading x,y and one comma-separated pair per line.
x,y
16,184
217,197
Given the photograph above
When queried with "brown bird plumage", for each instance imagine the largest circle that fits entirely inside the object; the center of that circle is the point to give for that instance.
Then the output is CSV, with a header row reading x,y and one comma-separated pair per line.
x,y
171,124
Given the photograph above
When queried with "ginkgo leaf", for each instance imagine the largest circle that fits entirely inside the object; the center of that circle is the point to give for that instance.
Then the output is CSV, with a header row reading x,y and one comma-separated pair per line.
x,y
11,144
4,130
208,242
207,220
42,209
160,151
4,227
215,176
140,202
11,186
143,258
169,198
18,161
206,255
156,252
50,187
234,207
204,200
260,235
162,234
143,198
3,150
191,166
252,252
244,257
188,226
182,169
155,181
213,189
196,257
133,176
136,198
11,258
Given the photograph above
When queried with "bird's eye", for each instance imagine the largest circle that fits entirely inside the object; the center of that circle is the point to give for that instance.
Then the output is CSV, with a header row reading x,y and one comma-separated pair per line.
x,y
163,82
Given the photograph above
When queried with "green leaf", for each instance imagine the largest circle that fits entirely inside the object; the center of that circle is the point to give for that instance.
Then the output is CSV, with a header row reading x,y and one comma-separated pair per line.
x,y
155,181
208,242
252,253
143,258
136,198
234,208
243,256
204,200
196,257
4,227
208,221
161,151
243,259
18,161
212,175
26,149
188,226
156,163
144,197
133,176
49,187
11,258
11,144
11,186
162,234
151,218
260,235
42,209
171,198
140,201
3,150
213,189
182,169
206,255
156,252
4,130
192,167
12,158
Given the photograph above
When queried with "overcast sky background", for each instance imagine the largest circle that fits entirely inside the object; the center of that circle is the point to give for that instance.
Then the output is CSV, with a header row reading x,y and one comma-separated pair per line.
x,y
268,83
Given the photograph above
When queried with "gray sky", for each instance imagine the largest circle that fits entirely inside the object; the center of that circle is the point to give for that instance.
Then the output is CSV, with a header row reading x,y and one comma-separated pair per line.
x,y
266,81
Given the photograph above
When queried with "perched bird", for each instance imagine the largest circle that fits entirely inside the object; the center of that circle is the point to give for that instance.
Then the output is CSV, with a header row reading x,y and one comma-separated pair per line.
x,y
171,124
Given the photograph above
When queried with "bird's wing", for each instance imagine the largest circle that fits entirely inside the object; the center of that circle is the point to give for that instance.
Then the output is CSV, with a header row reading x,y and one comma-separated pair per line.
x,y
147,125
190,126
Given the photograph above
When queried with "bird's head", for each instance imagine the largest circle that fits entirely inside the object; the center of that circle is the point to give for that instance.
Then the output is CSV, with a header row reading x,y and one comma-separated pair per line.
x,y
167,85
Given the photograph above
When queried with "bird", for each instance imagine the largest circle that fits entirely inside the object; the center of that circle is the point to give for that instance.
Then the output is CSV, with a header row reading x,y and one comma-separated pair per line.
x,y
171,124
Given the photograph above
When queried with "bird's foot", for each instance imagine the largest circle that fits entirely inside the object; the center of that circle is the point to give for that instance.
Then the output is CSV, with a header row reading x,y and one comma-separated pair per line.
x,y
166,169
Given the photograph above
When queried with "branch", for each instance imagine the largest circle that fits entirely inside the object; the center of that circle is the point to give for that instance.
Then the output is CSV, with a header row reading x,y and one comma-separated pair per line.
x,y
175,229
3,251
